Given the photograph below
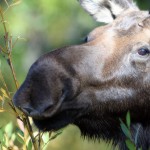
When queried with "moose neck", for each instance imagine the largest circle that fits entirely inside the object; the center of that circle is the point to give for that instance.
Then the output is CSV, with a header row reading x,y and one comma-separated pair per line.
x,y
107,127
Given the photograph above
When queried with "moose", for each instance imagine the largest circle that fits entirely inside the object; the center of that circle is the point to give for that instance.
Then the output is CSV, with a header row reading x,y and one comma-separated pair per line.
x,y
94,84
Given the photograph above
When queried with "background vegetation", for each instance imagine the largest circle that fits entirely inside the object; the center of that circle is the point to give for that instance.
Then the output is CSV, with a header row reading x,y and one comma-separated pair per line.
x,y
43,26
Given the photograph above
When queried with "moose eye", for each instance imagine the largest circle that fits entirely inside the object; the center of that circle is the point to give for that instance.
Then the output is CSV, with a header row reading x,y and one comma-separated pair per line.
x,y
143,51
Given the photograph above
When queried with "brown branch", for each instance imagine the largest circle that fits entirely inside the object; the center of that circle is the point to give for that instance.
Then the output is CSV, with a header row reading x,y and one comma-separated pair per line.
x,y
29,128
9,60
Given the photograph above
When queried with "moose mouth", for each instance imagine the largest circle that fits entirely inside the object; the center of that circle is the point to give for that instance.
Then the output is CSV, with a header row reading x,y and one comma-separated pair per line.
x,y
60,119
57,121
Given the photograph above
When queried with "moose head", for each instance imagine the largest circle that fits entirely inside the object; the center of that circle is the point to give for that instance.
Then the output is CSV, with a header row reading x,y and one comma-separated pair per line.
x,y
94,84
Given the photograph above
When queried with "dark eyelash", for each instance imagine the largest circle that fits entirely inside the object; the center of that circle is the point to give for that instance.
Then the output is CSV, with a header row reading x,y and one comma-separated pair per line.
x,y
85,39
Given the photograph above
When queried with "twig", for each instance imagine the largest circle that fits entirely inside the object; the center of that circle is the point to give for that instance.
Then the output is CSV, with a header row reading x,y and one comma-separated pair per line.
x,y
15,42
39,140
9,42
7,3
29,128
12,70
2,49
4,25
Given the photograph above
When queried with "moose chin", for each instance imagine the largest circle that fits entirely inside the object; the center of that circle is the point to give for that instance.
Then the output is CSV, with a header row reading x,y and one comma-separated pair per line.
x,y
94,84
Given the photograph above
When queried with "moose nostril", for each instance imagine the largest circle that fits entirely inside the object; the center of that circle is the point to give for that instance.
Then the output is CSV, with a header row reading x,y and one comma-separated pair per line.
x,y
27,110
47,108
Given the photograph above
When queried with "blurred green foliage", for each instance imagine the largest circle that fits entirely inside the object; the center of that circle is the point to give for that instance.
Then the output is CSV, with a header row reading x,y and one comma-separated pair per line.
x,y
144,4
44,26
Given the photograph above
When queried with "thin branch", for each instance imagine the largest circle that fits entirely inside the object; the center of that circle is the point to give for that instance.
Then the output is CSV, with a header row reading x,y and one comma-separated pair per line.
x,y
29,128
4,25
2,49
12,70
6,3
39,140
15,42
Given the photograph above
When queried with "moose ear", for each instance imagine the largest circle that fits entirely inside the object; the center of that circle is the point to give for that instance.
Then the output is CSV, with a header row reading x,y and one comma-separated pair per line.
x,y
106,10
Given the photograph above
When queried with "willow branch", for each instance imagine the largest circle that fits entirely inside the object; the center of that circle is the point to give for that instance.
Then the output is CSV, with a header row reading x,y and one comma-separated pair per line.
x,y
12,70
29,128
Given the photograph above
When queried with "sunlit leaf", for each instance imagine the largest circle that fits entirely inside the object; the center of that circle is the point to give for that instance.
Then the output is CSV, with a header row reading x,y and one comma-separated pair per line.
x,y
20,132
4,93
9,128
29,147
13,137
6,140
19,138
45,137
2,110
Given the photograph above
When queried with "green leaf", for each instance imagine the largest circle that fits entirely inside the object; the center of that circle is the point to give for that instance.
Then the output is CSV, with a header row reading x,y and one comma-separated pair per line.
x,y
128,119
125,130
8,129
13,137
29,147
45,137
130,145
20,132
19,138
